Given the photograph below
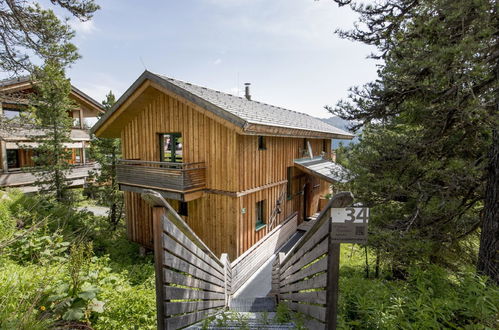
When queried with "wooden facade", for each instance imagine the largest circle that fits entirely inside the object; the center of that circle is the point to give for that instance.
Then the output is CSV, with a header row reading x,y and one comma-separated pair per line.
x,y
238,173
16,138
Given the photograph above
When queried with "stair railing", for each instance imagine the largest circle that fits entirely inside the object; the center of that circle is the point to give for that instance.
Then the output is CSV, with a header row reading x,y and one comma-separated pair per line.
x,y
192,284
303,278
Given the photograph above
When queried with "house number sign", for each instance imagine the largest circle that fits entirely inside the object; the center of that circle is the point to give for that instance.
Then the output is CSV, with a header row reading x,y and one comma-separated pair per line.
x,y
349,225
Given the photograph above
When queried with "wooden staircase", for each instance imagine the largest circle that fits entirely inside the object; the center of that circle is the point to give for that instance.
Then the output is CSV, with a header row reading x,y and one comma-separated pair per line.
x,y
194,288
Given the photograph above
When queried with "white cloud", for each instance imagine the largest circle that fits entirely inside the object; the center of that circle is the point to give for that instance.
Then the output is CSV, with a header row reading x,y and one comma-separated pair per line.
x,y
217,61
83,28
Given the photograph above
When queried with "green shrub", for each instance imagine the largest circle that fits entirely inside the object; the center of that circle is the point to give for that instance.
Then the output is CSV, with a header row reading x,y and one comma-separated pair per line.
x,y
21,294
430,299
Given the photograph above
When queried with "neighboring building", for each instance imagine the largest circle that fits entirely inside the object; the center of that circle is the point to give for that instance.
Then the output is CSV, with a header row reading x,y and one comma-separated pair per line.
x,y
16,137
232,167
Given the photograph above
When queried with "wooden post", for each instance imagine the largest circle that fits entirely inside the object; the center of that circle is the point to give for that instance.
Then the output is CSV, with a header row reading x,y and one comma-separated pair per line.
x,y
333,264
224,258
3,156
157,214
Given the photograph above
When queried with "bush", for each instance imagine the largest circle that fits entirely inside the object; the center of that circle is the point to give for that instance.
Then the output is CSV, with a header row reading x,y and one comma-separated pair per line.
x,y
430,299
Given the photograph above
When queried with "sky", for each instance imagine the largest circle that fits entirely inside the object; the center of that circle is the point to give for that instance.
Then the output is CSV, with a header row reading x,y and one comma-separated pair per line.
x,y
286,49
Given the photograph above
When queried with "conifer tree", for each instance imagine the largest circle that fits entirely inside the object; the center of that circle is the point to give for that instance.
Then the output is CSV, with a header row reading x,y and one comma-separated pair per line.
x,y
51,105
107,151
427,161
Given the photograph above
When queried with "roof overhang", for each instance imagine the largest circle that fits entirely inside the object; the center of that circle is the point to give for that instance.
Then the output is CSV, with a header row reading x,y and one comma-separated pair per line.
x,y
141,92
24,83
323,169
147,86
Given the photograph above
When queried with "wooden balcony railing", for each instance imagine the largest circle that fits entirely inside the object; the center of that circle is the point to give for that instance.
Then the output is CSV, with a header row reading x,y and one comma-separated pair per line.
x,y
177,177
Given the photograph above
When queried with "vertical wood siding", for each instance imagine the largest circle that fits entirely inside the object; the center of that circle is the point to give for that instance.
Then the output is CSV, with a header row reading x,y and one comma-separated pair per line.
x,y
233,164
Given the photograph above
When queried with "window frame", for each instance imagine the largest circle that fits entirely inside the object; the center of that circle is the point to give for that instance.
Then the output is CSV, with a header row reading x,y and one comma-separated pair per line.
x,y
183,208
173,155
262,143
260,222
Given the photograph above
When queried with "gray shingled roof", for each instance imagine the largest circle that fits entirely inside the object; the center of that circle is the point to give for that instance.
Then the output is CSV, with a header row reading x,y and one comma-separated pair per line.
x,y
22,79
255,112
235,109
323,168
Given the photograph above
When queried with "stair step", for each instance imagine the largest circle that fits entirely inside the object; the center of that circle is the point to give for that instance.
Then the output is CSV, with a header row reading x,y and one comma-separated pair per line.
x,y
253,304
235,320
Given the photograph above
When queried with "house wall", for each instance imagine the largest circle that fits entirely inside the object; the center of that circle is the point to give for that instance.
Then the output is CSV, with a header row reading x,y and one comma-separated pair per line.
x,y
261,168
238,174
204,140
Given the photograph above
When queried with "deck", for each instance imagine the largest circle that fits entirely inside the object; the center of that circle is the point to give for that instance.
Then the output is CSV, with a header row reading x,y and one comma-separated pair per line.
x,y
24,180
177,178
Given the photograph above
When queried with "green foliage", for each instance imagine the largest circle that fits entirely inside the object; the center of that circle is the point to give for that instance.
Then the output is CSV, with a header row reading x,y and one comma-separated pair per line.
x,y
283,313
431,298
105,284
37,245
107,151
421,163
50,105
31,30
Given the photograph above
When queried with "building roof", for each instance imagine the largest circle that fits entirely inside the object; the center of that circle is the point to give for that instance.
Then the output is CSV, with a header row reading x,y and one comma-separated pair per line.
x,y
237,110
26,79
323,169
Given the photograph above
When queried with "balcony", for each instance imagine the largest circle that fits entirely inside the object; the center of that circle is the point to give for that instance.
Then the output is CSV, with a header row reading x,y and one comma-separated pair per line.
x,y
180,181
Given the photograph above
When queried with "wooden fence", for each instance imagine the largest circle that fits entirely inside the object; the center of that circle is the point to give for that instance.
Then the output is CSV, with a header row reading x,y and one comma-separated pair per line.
x,y
247,263
303,277
191,282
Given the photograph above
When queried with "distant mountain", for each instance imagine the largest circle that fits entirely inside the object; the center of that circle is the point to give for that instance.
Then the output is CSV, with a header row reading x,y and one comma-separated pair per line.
x,y
341,124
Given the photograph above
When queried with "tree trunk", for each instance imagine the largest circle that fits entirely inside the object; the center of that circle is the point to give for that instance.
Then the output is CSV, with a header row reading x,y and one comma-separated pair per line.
x,y
488,255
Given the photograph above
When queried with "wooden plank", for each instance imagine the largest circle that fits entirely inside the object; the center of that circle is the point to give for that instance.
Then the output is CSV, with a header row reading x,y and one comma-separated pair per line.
x,y
314,324
315,297
179,236
158,264
180,279
313,254
188,319
317,282
317,312
295,255
172,308
173,293
172,261
180,251
317,267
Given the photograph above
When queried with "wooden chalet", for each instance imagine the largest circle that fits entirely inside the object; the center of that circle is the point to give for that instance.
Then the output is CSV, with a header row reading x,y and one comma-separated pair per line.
x,y
233,168
16,137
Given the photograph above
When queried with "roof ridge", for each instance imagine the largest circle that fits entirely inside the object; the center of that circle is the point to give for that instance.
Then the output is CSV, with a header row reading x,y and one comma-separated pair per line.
x,y
241,97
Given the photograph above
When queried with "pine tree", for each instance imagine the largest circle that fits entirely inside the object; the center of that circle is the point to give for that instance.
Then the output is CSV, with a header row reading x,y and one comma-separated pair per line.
x,y
30,31
107,151
429,148
50,105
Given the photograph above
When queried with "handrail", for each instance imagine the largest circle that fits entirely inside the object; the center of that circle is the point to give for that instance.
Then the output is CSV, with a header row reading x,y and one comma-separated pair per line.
x,y
340,199
149,162
155,199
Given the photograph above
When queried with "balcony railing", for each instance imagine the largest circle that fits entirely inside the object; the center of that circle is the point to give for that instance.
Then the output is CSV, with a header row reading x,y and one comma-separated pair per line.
x,y
177,177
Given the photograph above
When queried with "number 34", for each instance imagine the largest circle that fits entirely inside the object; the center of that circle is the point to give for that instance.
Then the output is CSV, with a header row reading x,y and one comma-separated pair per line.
x,y
363,214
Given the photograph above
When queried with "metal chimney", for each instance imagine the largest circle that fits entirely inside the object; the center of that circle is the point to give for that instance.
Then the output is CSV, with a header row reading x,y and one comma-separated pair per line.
x,y
247,91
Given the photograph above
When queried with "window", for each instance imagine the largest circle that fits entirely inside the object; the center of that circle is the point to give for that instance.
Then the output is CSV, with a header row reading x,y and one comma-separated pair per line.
x,y
289,177
261,143
11,113
183,209
324,145
13,158
171,147
260,215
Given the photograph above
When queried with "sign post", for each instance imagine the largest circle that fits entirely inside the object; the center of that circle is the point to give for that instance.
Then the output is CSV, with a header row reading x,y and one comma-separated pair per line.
x,y
347,225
